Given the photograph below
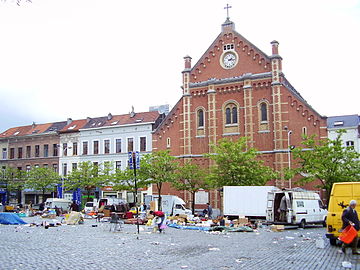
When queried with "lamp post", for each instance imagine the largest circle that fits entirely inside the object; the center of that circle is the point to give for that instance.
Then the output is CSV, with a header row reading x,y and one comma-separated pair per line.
x,y
289,153
61,153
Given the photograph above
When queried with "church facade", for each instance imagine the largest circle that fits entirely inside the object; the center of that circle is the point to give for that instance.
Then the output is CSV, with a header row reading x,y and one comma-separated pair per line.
x,y
236,90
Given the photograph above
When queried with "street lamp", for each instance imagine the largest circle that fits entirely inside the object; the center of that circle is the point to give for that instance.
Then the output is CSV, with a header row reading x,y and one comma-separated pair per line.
x,y
289,153
61,153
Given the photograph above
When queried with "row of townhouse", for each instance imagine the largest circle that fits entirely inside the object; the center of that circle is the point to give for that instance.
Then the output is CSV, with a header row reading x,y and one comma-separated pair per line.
x,y
63,145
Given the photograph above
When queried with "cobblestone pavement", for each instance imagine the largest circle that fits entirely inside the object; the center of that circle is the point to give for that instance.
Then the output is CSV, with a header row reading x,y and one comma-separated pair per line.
x,y
87,247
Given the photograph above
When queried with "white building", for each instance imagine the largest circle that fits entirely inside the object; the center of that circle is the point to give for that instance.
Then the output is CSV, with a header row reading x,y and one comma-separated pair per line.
x,y
107,139
351,124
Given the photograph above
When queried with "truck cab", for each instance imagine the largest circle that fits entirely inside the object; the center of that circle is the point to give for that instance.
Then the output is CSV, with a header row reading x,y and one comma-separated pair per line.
x,y
340,197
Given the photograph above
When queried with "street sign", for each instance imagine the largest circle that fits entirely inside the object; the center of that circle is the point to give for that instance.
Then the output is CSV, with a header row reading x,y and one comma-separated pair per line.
x,y
137,159
134,160
130,160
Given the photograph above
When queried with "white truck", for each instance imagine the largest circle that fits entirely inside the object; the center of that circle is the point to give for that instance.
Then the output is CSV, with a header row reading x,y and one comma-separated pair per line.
x,y
248,201
301,207
171,205
58,203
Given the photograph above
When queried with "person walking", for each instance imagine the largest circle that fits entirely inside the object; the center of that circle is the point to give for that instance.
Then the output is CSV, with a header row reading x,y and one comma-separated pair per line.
x,y
74,207
350,217
209,210
159,215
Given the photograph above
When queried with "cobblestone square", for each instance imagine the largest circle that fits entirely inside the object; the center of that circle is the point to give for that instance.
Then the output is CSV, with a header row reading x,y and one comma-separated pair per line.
x,y
88,247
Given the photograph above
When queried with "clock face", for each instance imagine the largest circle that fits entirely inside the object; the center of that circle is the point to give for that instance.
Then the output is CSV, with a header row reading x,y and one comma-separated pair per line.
x,y
229,60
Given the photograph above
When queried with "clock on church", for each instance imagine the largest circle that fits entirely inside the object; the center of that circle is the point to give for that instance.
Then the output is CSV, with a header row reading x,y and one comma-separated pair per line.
x,y
229,60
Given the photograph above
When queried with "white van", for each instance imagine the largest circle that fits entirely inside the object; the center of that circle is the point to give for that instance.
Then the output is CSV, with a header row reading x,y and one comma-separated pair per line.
x,y
303,207
58,203
171,205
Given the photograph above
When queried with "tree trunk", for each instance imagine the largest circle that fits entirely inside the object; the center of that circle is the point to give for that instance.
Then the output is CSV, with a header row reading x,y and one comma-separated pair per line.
x,y
159,200
88,195
193,202
43,195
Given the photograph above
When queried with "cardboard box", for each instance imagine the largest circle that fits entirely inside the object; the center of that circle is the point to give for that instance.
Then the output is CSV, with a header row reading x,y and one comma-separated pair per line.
x,y
277,228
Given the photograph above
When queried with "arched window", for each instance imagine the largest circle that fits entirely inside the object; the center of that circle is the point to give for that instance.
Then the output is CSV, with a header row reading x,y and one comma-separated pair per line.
x,y
234,115
231,114
200,118
263,110
228,116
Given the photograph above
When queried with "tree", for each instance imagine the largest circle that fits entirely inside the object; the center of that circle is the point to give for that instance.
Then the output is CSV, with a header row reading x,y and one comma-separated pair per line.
x,y
190,177
124,180
11,179
42,179
159,167
87,177
328,161
238,166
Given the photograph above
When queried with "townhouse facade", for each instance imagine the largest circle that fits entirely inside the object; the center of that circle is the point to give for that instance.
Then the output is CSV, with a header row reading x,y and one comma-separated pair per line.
x,y
107,139
35,145
351,125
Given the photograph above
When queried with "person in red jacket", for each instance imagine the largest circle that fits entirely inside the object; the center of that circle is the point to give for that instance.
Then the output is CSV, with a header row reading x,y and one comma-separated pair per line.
x,y
161,216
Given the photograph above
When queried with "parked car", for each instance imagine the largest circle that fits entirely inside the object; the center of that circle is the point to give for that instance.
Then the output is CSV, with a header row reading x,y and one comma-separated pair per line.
x,y
302,207
340,197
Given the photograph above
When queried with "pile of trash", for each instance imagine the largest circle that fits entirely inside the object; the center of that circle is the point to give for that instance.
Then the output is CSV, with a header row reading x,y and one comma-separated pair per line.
x,y
222,224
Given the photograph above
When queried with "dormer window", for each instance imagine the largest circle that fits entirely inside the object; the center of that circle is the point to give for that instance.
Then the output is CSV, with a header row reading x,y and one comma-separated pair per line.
x,y
228,47
338,123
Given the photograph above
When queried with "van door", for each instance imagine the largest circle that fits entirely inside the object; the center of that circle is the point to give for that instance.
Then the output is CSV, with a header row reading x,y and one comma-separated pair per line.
x,y
289,207
270,211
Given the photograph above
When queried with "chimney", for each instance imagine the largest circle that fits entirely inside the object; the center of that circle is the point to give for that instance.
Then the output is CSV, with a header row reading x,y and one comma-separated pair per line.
x,y
88,119
68,121
275,47
187,62
132,114
109,117
33,125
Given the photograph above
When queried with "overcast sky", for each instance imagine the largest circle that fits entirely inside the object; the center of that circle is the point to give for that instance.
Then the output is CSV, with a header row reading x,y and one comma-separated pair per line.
x,y
79,58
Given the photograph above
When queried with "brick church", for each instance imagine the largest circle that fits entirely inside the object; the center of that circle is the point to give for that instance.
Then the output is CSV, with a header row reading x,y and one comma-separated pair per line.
x,y
236,90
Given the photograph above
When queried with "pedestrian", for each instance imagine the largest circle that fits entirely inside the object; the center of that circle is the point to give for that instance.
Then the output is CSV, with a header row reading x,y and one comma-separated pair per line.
x,y
350,217
31,206
159,215
42,206
209,210
283,209
74,207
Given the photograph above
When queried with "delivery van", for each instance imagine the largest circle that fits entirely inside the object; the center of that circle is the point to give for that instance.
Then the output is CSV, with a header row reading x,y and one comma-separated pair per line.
x,y
248,201
58,203
302,207
340,197
171,205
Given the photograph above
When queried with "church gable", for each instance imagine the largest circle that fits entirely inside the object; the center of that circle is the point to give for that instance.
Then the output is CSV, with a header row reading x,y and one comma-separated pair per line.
x,y
230,55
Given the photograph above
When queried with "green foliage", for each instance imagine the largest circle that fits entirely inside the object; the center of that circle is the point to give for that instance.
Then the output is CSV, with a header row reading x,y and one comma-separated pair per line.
x,y
158,167
42,179
190,177
124,180
328,161
238,166
88,176
12,179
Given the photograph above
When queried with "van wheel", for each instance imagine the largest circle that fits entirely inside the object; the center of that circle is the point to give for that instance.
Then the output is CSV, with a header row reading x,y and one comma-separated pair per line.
x,y
333,241
302,224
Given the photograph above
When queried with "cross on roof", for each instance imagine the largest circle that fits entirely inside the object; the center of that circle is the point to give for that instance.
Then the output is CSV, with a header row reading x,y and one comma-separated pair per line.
x,y
227,11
